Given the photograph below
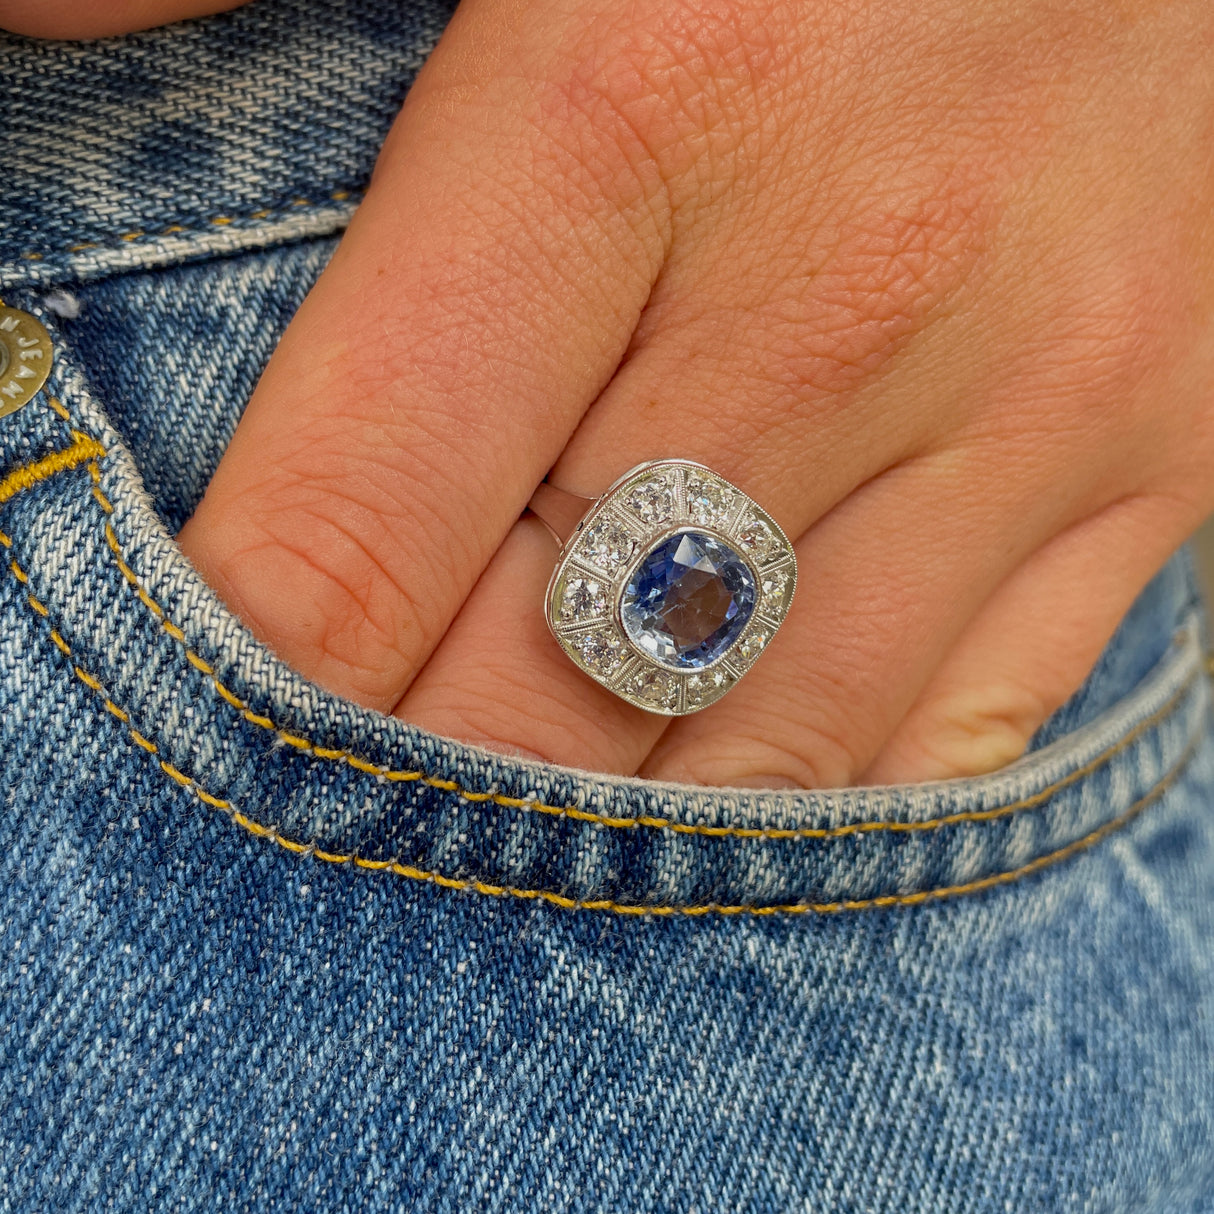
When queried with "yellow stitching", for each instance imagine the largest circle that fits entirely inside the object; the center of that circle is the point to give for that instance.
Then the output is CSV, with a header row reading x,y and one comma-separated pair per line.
x,y
854,904
152,606
174,229
82,450
884,901
58,408
651,822
206,797
191,657
180,777
87,679
223,691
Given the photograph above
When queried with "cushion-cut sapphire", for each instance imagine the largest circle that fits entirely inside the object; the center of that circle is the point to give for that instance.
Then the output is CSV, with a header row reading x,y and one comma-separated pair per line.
x,y
688,600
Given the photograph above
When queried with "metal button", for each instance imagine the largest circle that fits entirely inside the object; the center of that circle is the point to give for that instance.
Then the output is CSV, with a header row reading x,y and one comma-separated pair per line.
x,y
25,358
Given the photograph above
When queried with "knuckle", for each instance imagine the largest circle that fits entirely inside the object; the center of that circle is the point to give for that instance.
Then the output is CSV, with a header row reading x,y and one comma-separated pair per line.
x,y
680,49
1109,333
667,80
341,582
1092,357
976,730
875,280
327,606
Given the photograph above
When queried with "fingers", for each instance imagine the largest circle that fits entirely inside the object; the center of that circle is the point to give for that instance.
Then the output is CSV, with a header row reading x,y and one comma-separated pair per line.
x,y
887,583
1031,646
778,385
101,18
483,296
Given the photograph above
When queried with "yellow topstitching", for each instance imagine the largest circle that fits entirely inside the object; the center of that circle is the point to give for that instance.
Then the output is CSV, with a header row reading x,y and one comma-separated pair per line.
x,y
82,450
219,221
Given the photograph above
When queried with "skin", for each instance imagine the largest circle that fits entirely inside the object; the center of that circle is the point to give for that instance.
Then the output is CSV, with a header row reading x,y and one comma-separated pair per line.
x,y
933,280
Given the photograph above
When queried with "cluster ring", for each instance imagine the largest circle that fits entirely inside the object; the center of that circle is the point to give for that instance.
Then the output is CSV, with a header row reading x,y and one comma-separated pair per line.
x,y
669,586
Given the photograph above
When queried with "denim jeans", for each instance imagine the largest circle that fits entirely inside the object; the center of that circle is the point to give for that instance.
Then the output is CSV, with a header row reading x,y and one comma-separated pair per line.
x,y
262,949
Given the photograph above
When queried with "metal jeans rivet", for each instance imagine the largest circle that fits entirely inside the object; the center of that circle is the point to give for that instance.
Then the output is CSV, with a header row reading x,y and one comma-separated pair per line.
x,y
25,358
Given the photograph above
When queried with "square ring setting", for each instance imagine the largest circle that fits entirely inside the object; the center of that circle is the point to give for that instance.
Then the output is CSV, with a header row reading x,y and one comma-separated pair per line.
x,y
671,586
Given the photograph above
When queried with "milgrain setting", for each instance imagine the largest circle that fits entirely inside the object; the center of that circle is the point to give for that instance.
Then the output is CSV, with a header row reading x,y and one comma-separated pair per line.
x,y
671,586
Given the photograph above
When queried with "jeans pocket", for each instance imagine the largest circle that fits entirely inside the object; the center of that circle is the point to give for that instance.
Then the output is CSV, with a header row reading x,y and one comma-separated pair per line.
x,y
230,900
262,949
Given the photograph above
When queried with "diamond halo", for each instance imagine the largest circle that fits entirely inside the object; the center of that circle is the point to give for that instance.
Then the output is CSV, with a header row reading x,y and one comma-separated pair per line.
x,y
671,587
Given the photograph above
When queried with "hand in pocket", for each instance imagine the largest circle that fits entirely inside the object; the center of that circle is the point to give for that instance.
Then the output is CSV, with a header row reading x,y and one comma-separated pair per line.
x,y
931,282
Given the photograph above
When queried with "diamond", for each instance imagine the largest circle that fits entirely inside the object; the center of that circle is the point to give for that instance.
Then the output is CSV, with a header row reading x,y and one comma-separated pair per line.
x,y
707,686
753,645
655,688
600,651
688,600
706,500
775,583
584,599
652,501
608,545
757,539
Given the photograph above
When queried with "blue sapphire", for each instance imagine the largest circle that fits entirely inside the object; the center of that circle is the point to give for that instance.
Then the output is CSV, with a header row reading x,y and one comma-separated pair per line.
x,y
688,600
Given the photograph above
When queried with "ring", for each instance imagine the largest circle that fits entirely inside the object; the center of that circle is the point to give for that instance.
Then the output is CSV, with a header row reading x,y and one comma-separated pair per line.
x,y
669,586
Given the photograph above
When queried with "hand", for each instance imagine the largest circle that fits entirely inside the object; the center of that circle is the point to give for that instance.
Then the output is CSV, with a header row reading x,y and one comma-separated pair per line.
x,y
932,280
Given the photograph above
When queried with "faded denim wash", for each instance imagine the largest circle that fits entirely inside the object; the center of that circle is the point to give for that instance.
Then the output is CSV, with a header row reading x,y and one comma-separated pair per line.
x,y
261,949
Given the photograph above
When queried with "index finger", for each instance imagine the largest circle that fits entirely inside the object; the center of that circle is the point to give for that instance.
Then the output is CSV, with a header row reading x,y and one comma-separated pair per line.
x,y
483,296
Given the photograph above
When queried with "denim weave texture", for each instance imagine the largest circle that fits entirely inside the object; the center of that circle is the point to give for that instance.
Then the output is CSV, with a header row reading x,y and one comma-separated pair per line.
x,y
262,949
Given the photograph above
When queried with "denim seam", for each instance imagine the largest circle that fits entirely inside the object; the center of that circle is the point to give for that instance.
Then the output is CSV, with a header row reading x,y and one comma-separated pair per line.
x,y
365,767
176,229
885,901
84,448
880,902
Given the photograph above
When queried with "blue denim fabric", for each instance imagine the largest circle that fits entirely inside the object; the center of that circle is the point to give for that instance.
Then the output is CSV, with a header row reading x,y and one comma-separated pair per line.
x,y
262,949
